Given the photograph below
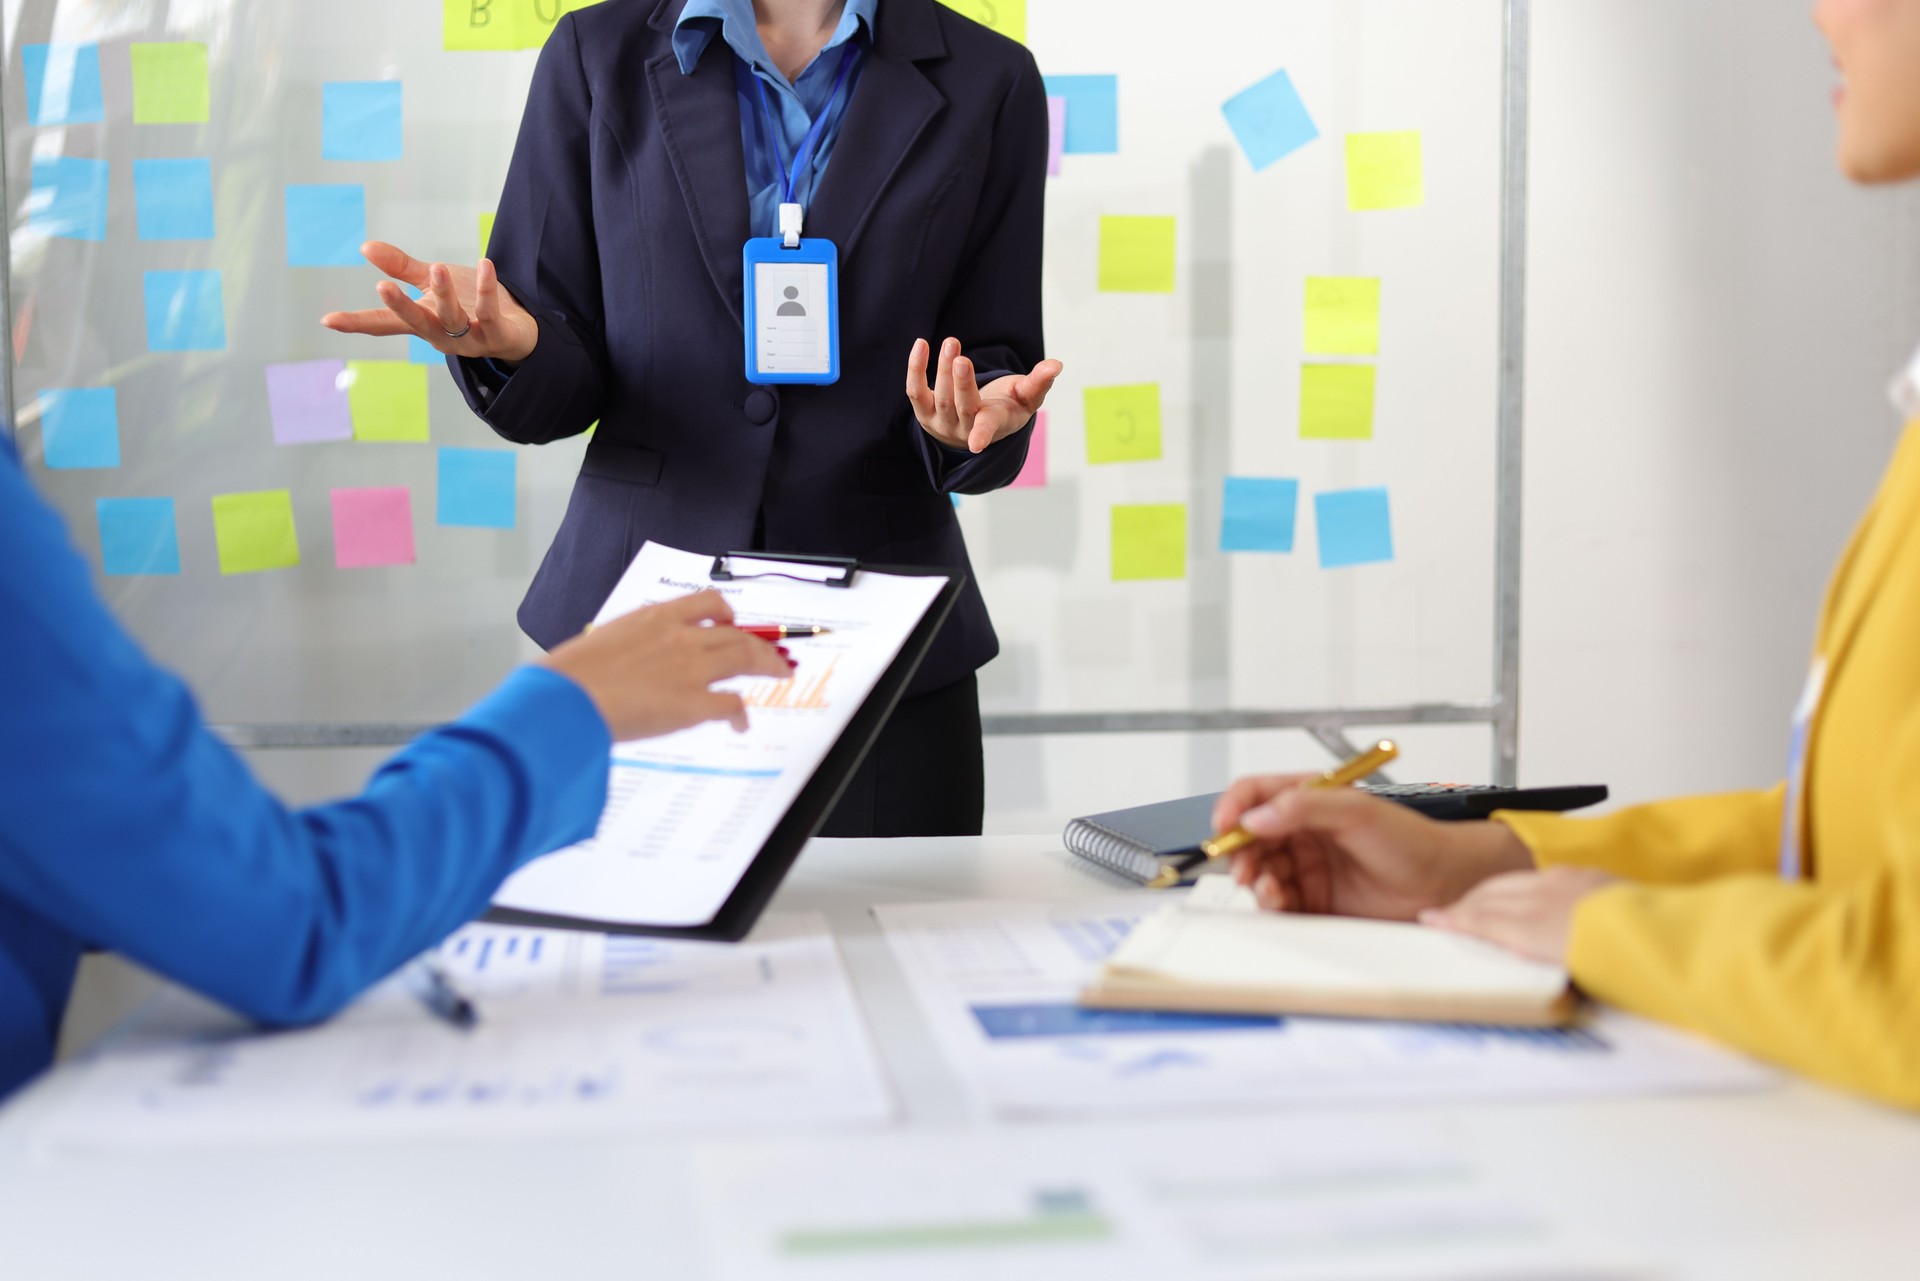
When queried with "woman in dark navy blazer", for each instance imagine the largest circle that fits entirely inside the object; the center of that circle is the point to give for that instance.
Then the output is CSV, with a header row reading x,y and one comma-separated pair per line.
x,y
613,291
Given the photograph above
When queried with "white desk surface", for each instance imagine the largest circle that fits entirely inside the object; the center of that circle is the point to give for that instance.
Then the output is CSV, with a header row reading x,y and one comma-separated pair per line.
x,y
1796,1182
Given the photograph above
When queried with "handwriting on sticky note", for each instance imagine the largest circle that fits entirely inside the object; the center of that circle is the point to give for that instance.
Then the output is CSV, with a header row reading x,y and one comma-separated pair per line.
x,y
1343,316
1353,527
1336,402
170,84
479,25
1008,17
1149,541
1033,472
1257,514
1136,254
1123,423
1385,171
387,400
1269,120
254,531
372,527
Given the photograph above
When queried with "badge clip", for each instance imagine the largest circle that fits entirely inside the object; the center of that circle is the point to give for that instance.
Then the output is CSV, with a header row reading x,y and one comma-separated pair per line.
x,y
790,220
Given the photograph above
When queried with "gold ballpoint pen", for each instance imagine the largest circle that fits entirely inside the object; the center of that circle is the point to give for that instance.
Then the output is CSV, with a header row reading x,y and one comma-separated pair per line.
x,y
1228,843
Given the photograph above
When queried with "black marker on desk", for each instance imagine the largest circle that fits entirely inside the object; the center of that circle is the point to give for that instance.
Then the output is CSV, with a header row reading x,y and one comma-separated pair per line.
x,y
428,981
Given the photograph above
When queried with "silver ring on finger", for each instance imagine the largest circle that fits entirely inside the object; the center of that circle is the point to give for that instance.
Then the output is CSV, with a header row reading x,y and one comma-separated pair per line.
x,y
464,330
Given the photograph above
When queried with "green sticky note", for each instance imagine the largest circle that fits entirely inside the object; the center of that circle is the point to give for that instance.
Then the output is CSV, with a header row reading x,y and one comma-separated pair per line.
x,y
1336,402
387,400
486,233
1343,316
170,84
1384,171
1149,541
1008,17
255,531
469,25
1136,254
1123,423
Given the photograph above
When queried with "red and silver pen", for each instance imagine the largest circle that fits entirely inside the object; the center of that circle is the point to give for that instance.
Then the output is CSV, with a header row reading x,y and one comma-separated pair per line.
x,y
781,631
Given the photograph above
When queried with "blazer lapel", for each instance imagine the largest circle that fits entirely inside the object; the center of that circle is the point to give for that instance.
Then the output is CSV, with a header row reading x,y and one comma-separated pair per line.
x,y
700,122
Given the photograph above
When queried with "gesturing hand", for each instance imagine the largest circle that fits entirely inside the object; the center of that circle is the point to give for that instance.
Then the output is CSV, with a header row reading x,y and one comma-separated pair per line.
x,y
957,411
649,672
467,301
1526,912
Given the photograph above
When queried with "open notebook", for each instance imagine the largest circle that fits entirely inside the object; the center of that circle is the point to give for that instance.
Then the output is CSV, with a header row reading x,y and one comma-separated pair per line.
x,y
1213,952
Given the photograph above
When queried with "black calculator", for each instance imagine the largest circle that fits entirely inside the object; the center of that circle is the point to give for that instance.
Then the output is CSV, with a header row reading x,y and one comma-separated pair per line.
x,y
1459,802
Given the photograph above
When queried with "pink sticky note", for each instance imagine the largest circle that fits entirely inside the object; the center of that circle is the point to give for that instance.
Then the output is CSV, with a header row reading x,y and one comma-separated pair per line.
x,y
1033,473
372,527
308,401
1056,134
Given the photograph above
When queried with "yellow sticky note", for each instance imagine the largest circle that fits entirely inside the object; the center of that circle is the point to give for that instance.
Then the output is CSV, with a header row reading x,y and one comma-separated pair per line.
x,y
1136,254
255,531
170,84
1008,17
539,17
1384,171
1336,402
387,399
1343,316
486,232
467,25
1123,423
1149,541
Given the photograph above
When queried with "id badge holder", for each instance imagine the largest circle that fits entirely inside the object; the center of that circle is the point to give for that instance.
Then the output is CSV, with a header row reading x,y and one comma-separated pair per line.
x,y
792,311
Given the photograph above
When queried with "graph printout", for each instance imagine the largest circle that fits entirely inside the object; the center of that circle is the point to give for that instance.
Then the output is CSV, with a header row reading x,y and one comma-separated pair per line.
x,y
686,814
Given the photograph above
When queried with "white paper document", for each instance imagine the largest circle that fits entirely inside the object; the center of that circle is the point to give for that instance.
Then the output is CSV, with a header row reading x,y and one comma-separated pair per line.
x,y
576,1030
688,812
999,981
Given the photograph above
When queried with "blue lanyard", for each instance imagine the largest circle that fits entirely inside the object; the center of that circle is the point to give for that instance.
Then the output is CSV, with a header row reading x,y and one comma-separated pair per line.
x,y
790,177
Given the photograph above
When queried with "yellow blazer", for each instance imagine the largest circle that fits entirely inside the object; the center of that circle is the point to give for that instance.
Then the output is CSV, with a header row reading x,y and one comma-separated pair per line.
x,y
1820,974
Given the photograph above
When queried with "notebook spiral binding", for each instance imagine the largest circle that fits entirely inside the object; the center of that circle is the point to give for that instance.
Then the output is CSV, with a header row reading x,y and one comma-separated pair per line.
x,y
1111,850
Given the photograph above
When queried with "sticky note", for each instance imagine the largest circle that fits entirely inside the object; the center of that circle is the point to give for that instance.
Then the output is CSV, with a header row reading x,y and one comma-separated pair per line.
x,y
170,84
1123,423
538,18
185,311
80,427
1136,254
1343,316
1008,17
486,233
388,400
138,536
68,198
173,199
476,488
1093,113
1336,402
308,402
1056,135
1149,541
1269,120
254,531
326,224
1353,527
1033,472
1384,171
467,25
422,352
372,527
1257,514
63,84
360,120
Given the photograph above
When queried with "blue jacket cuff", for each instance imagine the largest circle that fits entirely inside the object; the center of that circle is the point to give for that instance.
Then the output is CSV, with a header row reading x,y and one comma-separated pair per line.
x,y
558,737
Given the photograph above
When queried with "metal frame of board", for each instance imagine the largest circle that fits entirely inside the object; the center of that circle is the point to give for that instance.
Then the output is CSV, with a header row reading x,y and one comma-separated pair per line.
x,y
1327,726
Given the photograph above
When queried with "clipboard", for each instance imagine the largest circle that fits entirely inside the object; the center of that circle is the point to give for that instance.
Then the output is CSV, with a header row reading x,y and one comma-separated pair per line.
x,y
763,877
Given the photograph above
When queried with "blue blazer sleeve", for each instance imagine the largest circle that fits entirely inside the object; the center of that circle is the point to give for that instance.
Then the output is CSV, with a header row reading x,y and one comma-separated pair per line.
x,y
128,825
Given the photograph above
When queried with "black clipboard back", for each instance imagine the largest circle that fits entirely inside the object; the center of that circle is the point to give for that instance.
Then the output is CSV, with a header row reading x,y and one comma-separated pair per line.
x,y
763,877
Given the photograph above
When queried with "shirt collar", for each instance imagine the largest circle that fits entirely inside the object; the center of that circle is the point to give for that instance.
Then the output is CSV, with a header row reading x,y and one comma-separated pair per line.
x,y
733,20
1906,389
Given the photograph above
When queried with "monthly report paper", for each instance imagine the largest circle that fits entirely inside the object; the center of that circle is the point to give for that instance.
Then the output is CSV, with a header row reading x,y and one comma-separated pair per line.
x,y
687,813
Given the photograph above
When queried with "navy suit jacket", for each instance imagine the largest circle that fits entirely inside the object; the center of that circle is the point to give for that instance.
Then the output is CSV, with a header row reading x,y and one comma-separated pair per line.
x,y
620,228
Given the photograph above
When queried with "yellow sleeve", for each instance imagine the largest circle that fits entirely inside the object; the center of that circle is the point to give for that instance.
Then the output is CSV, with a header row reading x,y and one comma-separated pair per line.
x,y
1677,842
1825,981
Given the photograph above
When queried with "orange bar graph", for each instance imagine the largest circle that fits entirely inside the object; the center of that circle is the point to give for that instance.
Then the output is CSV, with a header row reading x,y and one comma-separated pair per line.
x,y
793,695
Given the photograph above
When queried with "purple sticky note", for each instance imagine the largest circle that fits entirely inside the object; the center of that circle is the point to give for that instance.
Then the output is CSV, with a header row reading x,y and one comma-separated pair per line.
x,y
309,402
1056,134
1033,473
372,527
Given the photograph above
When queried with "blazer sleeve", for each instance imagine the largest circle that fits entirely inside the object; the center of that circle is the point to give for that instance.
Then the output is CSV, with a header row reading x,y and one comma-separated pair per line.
x,y
1672,842
544,249
995,306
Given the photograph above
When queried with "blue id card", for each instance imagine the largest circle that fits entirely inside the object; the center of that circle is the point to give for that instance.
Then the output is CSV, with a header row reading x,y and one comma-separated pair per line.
x,y
792,311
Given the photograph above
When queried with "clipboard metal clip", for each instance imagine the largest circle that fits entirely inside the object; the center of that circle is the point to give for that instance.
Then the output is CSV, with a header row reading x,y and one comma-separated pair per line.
x,y
847,565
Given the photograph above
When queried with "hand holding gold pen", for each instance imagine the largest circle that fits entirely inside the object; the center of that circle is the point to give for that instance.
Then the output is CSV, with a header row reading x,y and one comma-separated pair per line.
x,y
1228,843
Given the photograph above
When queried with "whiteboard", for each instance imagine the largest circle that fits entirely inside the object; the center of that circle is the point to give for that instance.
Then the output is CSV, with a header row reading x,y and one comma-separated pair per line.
x,y
419,641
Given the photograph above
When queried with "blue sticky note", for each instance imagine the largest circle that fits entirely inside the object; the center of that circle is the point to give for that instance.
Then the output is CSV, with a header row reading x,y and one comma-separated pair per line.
x,y
476,488
80,427
138,536
185,311
1258,514
63,84
1270,120
1354,527
360,120
173,199
421,352
1093,113
69,198
326,224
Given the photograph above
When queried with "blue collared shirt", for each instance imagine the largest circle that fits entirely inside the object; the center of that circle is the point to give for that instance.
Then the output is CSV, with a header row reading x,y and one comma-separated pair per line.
x,y
797,103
